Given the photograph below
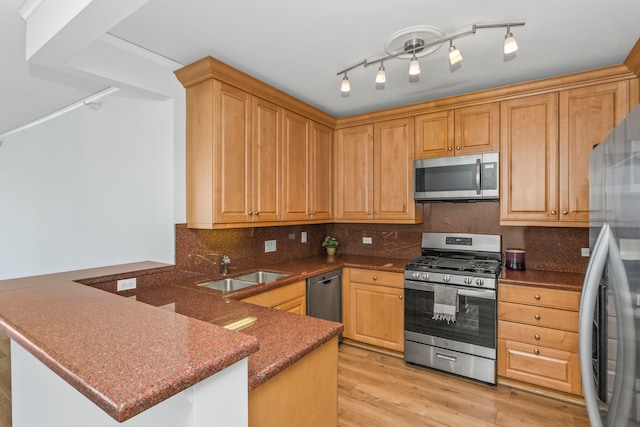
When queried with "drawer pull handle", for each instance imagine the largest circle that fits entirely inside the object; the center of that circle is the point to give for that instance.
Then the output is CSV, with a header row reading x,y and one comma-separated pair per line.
x,y
375,277
537,297
537,316
537,337
401,296
446,357
536,351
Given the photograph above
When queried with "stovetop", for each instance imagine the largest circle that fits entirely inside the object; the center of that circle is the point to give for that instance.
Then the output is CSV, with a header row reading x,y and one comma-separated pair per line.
x,y
487,265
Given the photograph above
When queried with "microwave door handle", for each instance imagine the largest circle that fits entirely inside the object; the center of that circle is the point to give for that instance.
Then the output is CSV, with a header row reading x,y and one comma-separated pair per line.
x,y
478,164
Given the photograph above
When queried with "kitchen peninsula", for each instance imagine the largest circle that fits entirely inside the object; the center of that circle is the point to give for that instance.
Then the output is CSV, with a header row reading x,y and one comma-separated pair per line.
x,y
76,349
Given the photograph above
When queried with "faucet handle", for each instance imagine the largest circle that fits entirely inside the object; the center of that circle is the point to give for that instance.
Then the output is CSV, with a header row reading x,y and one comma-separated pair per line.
x,y
225,259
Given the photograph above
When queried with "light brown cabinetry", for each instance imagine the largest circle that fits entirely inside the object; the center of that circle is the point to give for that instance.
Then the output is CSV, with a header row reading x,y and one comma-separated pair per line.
x,y
467,130
308,169
290,298
233,155
538,336
545,145
373,307
374,173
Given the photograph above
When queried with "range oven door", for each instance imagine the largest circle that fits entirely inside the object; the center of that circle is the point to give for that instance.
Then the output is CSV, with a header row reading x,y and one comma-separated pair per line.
x,y
473,332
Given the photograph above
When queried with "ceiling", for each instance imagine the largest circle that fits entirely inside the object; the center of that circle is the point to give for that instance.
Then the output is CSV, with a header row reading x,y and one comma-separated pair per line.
x,y
298,47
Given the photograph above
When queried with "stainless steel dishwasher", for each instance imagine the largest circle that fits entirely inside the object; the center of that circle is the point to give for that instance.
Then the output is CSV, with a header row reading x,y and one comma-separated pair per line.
x,y
324,296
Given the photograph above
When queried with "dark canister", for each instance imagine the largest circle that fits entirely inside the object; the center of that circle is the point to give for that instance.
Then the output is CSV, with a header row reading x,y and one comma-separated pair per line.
x,y
514,259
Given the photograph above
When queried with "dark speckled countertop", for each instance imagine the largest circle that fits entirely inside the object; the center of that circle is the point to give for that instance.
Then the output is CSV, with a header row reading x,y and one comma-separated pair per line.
x,y
542,278
89,337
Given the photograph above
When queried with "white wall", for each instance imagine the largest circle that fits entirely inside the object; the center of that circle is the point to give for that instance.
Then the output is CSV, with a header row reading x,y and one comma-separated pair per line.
x,y
90,188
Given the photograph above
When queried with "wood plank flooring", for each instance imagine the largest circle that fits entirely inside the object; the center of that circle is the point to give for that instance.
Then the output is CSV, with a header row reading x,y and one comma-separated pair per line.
x,y
376,390
380,390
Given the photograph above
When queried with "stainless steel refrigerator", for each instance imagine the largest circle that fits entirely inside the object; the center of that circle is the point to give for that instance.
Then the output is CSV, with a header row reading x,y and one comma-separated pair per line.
x,y
610,305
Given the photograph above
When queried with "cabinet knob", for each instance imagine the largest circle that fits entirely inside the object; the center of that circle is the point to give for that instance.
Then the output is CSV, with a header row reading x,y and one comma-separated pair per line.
x,y
537,337
457,147
536,351
375,212
250,213
313,212
553,212
257,213
449,148
368,212
565,212
375,277
537,296
401,296
537,316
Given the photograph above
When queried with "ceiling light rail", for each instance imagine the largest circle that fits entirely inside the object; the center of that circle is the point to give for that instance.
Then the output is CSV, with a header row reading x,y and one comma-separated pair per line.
x,y
416,45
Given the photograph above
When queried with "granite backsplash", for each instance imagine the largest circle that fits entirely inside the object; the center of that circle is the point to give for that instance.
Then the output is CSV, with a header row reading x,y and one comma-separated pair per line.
x,y
548,248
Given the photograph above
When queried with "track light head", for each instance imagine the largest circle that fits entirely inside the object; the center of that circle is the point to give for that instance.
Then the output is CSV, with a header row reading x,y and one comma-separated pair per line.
x,y
414,66
345,86
454,54
510,44
381,76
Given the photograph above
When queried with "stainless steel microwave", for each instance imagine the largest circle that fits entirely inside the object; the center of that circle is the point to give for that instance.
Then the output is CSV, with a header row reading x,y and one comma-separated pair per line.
x,y
457,178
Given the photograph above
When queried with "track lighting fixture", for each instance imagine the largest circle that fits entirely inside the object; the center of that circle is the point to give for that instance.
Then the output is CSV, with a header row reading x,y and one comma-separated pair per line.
x,y
454,54
510,44
345,87
414,66
417,46
381,76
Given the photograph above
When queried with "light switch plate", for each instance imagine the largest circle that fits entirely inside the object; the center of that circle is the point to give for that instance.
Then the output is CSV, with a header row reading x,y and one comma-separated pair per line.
x,y
126,284
584,252
303,237
270,246
367,240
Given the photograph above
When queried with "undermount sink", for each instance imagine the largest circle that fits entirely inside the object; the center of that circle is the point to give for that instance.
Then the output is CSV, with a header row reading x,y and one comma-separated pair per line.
x,y
244,281
262,276
227,285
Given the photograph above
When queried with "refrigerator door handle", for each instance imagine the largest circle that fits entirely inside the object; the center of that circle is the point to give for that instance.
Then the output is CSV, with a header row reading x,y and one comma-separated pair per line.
x,y
585,331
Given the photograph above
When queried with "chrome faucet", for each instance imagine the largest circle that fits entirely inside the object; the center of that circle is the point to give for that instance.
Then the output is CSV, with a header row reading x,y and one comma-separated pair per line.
x,y
224,262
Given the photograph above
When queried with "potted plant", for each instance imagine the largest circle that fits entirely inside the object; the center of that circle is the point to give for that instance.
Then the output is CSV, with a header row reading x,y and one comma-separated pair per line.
x,y
330,244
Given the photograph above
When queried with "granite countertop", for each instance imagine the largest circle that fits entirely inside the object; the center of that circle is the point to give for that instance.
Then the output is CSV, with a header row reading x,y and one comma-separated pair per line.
x,y
90,337
546,279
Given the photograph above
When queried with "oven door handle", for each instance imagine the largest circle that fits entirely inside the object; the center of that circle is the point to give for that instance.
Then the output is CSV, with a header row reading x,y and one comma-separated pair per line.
x,y
465,292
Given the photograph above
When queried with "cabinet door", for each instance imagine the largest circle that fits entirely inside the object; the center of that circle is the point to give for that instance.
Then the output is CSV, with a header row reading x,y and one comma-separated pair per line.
x,y
477,129
376,315
393,170
587,115
296,169
266,168
321,174
434,135
354,173
232,124
529,159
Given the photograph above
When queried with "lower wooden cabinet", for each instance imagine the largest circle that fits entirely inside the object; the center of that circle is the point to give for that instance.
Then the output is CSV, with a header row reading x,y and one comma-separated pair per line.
x,y
538,336
373,305
290,298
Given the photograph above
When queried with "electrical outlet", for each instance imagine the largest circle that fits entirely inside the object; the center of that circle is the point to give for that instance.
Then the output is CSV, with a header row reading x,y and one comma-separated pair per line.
x,y
303,237
367,240
270,246
584,252
292,236
126,284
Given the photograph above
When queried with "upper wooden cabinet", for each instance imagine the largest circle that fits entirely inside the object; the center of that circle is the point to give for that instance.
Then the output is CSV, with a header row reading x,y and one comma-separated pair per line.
x,y
374,173
307,169
468,130
545,145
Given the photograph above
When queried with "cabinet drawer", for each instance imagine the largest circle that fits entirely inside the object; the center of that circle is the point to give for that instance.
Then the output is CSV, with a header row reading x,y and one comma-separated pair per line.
x,y
535,335
279,295
556,369
372,277
538,316
542,297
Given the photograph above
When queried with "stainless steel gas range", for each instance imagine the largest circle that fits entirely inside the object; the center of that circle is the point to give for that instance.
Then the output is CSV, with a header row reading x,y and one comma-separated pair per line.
x,y
450,313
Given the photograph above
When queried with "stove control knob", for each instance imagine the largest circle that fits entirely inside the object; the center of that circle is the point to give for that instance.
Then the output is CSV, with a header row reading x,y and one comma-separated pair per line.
x,y
425,276
480,282
415,275
446,278
468,280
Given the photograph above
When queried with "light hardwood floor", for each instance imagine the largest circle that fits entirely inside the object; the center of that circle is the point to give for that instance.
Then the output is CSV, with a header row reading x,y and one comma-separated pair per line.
x,y
380,390
376,390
